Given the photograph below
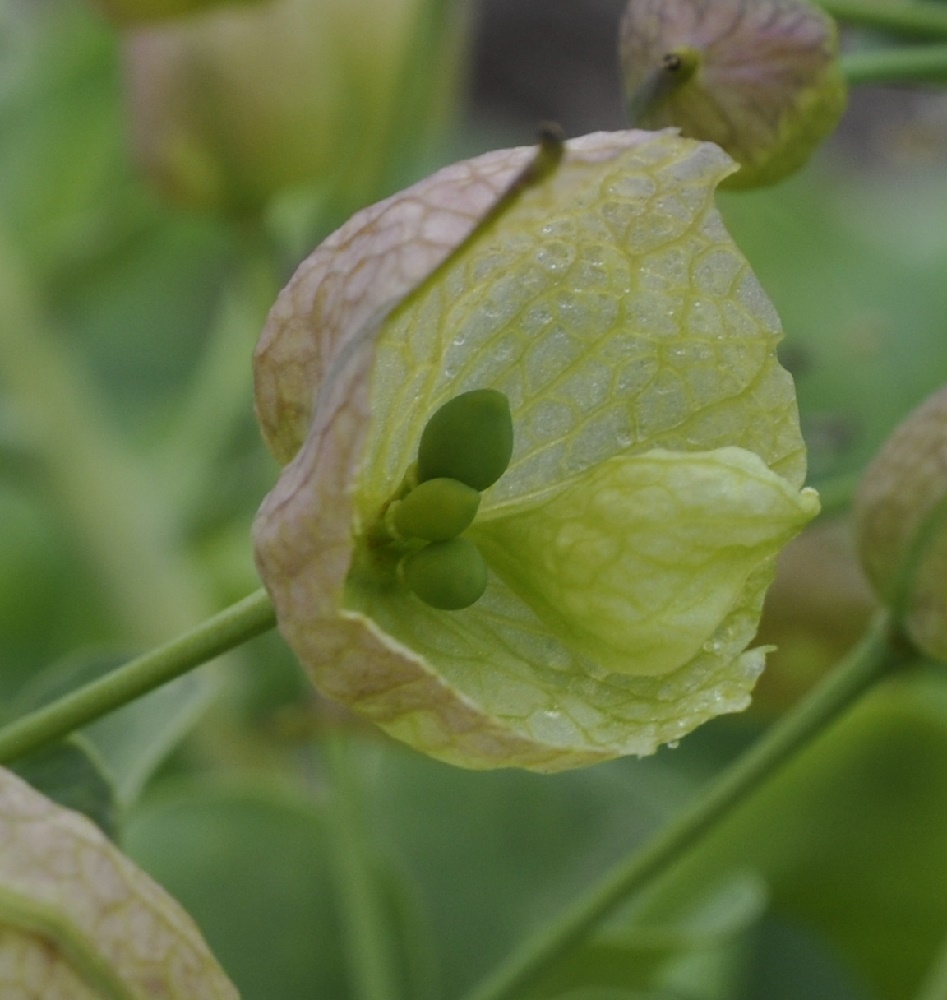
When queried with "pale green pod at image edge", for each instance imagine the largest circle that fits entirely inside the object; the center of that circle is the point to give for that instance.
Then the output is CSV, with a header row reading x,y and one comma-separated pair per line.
x,y
470,439
446,575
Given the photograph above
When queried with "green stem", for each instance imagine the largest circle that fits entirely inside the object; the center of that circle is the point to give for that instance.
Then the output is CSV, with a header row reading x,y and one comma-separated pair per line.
x,y
238,623
909,18
367,944
911,64
876,655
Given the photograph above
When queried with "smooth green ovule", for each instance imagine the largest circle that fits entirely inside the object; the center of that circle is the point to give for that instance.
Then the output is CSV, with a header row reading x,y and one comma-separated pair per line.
x,y
446,575
470,439
435,510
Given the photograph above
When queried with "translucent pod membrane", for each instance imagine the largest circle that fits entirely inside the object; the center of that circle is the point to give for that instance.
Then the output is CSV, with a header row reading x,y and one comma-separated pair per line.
x,y
447,575
470,439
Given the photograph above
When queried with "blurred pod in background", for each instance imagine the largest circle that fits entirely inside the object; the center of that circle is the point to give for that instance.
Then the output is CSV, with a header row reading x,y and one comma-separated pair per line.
x,y
816,610
761,78
901,524
234,105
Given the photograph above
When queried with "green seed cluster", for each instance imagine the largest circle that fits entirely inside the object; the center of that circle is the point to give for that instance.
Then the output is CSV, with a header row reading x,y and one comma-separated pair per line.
x,y
464,449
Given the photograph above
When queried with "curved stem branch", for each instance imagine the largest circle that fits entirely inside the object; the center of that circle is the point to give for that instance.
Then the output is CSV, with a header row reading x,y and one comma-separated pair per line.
x,y
232,627
367,943
907,18
876,655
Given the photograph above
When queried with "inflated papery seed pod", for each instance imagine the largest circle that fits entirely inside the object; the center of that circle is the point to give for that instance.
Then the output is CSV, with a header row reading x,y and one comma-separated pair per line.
x,y
761,78
78,920
129,12
901,520
232,106
656,465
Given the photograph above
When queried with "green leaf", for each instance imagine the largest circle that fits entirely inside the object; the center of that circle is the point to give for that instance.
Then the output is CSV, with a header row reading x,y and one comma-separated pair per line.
x,y
252,869
504,849
71,774
132,741
699,949
794,961
253,866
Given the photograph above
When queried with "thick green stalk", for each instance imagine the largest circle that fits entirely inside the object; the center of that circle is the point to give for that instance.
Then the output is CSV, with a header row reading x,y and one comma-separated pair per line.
x,y
238,623
908,18
367,943
876,655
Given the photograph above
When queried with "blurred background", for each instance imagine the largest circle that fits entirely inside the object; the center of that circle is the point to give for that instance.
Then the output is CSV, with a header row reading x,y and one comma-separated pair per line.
x,y
159,181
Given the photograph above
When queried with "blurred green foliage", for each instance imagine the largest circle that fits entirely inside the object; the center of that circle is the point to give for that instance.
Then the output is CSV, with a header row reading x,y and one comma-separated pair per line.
x,y
855,265
826,886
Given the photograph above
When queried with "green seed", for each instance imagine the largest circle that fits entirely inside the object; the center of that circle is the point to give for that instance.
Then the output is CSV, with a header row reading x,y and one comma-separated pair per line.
x,y
470,438
436,510
447,575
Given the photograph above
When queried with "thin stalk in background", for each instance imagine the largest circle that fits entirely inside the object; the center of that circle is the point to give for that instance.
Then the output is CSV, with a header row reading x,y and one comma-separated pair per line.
x,y
907,18
367,944
907,64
